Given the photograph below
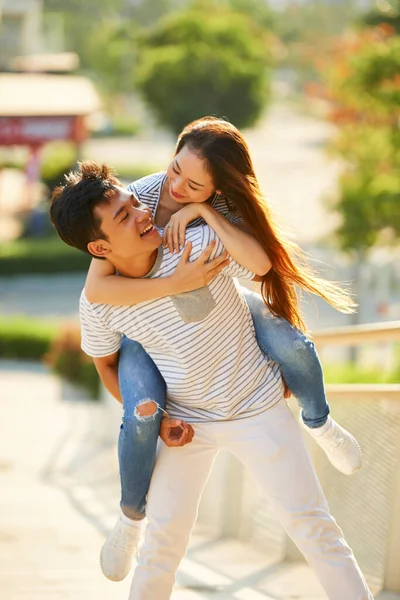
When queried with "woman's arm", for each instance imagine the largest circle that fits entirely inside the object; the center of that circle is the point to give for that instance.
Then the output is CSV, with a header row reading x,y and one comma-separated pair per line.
x,y
241,245
103,286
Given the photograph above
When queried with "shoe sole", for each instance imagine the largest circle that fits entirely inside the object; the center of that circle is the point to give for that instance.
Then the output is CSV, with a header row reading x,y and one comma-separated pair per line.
x,y
105,574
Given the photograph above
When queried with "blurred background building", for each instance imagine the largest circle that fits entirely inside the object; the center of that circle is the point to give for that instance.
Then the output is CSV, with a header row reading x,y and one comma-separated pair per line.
x,y
21,28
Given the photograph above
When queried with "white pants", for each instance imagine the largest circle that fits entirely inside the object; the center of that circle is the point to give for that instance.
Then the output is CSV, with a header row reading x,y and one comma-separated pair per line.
x,y
270,445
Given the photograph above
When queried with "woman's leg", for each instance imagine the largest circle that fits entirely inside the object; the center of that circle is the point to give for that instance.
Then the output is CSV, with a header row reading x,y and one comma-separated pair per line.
x,y
143,392
271,446
297,357
302,371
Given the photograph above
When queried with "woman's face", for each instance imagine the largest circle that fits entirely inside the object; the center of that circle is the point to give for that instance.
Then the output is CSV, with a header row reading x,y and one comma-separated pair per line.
x,y
188,178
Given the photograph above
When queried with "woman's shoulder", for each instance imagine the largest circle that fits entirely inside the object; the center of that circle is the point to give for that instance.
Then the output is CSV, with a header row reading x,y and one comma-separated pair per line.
x,y
149,186
224,207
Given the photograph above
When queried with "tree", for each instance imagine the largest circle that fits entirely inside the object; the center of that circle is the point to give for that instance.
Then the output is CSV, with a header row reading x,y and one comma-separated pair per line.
x,y
386,11
364,87
205,60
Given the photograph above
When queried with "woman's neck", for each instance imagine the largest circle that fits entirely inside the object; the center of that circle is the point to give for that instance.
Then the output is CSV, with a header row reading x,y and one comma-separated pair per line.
x,y
166,207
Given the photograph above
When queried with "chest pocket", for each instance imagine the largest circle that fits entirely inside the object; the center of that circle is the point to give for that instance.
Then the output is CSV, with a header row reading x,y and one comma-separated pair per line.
x,y
194,306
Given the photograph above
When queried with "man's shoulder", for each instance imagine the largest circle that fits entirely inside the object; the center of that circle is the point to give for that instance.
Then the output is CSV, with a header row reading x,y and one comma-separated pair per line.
x,y
92,309
148,185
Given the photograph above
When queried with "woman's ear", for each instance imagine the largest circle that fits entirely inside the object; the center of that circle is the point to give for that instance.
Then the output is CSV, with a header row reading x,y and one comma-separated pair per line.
x,y
98,248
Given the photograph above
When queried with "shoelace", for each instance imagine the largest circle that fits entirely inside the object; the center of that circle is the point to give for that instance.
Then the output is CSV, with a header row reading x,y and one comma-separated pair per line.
x,y
124,542
337,441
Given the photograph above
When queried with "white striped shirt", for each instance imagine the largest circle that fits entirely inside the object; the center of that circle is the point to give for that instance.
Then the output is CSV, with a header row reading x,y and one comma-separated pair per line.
x,y
209,356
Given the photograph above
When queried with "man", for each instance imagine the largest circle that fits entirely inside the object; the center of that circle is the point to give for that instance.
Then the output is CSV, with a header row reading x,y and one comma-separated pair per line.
x,y
217,380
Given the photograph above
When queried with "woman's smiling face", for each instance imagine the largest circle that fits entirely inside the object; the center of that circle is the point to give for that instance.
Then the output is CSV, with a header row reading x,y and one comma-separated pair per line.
x,y
188,178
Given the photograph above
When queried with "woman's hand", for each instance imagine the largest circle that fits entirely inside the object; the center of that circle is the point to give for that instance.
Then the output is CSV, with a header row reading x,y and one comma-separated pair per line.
x,y
174,231
190,276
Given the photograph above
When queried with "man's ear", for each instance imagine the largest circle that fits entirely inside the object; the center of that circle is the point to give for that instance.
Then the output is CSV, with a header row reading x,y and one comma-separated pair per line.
x,y
99,248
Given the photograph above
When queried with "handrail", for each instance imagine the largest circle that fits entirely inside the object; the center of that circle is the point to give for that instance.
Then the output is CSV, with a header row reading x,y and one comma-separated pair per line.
x,y
363,391
354,335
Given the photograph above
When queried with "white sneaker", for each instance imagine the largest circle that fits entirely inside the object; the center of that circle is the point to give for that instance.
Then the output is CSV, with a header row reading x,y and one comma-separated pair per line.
x,y
339,445
117,553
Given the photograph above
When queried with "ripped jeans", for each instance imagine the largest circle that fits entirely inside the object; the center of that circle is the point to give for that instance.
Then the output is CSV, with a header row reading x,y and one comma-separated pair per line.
x,y
140,381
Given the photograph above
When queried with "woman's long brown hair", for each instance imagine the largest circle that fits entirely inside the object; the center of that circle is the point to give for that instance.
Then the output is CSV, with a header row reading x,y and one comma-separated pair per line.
x,y
230,165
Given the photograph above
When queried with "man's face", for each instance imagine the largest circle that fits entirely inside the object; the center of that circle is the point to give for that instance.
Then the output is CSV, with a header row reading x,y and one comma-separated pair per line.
x,y
128,225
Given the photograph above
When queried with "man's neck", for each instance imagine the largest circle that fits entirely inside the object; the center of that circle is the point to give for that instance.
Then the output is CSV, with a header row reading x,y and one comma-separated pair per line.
x,y
135,267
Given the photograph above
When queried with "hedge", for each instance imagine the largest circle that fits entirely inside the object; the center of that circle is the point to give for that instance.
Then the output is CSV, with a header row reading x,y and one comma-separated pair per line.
x,y
25,339
41,256
58,345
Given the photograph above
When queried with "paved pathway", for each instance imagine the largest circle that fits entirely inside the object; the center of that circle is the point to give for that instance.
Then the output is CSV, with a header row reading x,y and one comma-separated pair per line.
x,y
59,498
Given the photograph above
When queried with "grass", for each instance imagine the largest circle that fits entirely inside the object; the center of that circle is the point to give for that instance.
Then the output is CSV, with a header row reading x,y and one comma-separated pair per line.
x,y
349,373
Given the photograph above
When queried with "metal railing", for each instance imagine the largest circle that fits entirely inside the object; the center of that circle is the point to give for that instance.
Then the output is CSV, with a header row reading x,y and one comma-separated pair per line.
x,y
355,336
367,504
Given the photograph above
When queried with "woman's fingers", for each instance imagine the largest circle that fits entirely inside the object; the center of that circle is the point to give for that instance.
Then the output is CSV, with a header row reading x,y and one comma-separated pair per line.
x,y
170,242
175,236
182,231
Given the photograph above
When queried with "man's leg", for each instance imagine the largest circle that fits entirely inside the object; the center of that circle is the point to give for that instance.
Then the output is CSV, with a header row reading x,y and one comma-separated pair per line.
x,y
271,446
178,480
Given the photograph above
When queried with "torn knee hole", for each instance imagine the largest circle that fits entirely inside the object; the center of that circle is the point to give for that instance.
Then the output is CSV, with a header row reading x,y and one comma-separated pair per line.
x,y
147,408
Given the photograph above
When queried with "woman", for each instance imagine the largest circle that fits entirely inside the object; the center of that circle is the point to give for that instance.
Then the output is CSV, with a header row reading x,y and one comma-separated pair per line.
x,y
211,178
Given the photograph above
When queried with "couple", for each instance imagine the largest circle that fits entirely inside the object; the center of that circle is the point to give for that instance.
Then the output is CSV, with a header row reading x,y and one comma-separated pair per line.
x,y
206,372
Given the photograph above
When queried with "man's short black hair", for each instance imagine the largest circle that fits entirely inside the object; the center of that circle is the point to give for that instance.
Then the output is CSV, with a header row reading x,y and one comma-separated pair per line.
x,y
73,204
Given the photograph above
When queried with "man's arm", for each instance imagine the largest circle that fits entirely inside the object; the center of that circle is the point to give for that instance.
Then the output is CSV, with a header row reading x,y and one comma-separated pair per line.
x,y
107,368
173,432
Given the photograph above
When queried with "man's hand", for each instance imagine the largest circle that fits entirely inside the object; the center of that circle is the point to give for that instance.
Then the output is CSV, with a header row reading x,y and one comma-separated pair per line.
x,y
175,432
190,276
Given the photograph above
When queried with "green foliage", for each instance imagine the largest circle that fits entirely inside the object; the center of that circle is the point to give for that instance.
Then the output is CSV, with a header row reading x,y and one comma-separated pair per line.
x,y
33,256
369,188
110,53
123,126
25,339
257,10
386,12
354,373
202,62
315,19
70,362
129,173
373,82
364,83
57,158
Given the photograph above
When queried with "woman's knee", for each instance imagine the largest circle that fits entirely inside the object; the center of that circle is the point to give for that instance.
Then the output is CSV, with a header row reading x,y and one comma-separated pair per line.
x,y
139,378
278,338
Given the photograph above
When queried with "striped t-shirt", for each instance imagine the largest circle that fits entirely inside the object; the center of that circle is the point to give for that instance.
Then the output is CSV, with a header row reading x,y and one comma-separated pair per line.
x,y
209,357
